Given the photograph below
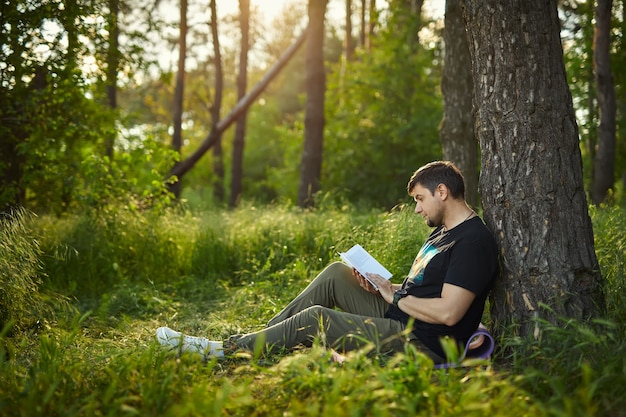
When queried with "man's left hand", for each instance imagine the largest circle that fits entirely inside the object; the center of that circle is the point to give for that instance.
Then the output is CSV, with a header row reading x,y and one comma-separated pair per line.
x,y
385,287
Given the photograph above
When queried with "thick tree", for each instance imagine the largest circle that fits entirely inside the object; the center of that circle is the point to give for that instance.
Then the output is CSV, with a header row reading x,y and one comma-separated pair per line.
x,y
604,160
311,168
240,126
531,180
457,127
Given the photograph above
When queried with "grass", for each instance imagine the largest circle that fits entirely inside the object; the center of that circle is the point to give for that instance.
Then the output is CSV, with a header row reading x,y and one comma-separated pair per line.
x,y
216,273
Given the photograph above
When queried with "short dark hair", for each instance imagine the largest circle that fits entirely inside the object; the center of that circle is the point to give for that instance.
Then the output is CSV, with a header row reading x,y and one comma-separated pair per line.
x,y
439,172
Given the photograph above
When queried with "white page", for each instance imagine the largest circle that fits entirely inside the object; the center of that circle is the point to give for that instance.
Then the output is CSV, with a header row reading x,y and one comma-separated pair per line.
x,y
362,261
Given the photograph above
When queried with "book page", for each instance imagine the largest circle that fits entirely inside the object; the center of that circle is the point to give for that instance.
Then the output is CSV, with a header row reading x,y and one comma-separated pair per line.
x,y
362,261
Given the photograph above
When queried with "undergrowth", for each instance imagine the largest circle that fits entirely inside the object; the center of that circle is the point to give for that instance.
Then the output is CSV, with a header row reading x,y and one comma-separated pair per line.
x,y
218,273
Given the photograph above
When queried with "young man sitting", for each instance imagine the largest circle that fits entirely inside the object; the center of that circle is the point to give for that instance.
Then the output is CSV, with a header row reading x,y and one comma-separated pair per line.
x,y
443,294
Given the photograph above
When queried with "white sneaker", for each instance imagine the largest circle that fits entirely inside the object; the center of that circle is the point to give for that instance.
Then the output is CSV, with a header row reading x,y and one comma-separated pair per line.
x,y
169,337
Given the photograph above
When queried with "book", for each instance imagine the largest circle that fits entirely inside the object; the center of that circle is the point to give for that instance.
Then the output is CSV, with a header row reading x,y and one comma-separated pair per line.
x,y
360,259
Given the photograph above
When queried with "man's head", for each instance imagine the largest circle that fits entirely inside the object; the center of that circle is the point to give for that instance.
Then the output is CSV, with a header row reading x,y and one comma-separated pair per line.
x,y
431,175
438,190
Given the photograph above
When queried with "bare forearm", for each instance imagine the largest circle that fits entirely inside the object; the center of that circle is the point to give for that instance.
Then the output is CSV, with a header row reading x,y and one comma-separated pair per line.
x,y
429,310
447,309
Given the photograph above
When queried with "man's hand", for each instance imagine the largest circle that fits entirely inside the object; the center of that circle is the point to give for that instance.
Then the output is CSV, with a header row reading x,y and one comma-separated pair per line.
x,y
365,284
385,287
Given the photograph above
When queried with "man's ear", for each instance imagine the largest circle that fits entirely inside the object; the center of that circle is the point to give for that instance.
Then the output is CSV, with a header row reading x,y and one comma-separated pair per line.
x,y
441,191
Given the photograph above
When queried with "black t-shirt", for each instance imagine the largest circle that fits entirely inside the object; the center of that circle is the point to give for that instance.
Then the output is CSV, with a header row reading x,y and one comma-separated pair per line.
x,y
466,256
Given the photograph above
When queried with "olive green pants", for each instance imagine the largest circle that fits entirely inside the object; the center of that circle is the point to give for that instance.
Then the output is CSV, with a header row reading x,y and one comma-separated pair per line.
x,y
337,310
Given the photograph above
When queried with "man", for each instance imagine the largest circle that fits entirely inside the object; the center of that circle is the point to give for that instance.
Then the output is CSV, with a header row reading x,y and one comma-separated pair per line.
x,y
443,295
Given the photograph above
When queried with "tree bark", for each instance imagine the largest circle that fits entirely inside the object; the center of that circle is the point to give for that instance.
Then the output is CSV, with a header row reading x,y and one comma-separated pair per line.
x,y
604,159
531,180
216,107
179,91
457,127
180,169
240,127
311,168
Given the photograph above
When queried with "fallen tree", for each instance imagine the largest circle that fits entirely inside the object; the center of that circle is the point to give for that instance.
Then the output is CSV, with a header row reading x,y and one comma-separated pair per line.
x,y
182,167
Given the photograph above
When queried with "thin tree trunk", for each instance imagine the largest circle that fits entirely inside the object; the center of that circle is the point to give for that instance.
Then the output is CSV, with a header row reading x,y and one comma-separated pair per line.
x,y
240,127
113,59
311,168
457,127
180,169
179,90
363,25
216,108
372,21
604,160
416,9
349,41
531,180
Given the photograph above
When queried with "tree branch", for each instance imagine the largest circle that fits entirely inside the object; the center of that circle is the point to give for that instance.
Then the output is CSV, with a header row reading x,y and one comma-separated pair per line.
x,y
180,169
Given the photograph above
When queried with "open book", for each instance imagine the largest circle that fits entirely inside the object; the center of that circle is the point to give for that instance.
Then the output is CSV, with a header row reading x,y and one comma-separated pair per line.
x,y
359,259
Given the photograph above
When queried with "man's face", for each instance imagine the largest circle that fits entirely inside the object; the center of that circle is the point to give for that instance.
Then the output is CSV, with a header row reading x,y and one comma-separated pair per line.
x,y
427,205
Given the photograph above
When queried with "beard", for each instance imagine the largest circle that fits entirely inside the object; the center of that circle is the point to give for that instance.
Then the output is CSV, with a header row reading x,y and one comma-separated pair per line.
x,y
434,221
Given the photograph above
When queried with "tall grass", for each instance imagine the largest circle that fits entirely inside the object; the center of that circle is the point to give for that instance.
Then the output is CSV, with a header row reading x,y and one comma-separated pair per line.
x,y
22,304
216,273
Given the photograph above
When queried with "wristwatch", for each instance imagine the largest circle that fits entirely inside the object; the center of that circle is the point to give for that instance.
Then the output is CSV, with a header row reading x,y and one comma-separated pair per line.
x,y
401,293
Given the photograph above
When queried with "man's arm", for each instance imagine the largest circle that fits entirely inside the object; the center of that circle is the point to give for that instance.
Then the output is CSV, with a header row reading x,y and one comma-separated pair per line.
x,y
449,309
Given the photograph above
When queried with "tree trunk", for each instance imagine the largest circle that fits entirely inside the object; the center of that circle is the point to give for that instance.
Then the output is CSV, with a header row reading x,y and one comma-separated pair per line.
x,y
180,169
179,91
349,41
457,127
531,180
216,108
604,160
363,25
372,21
311,168
414,7
113,60
240,127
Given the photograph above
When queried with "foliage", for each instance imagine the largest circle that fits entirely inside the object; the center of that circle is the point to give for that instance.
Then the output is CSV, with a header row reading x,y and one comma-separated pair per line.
x,y
618,63
218,272
135,179
43,104
274,124
577,17
53,104
383,113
